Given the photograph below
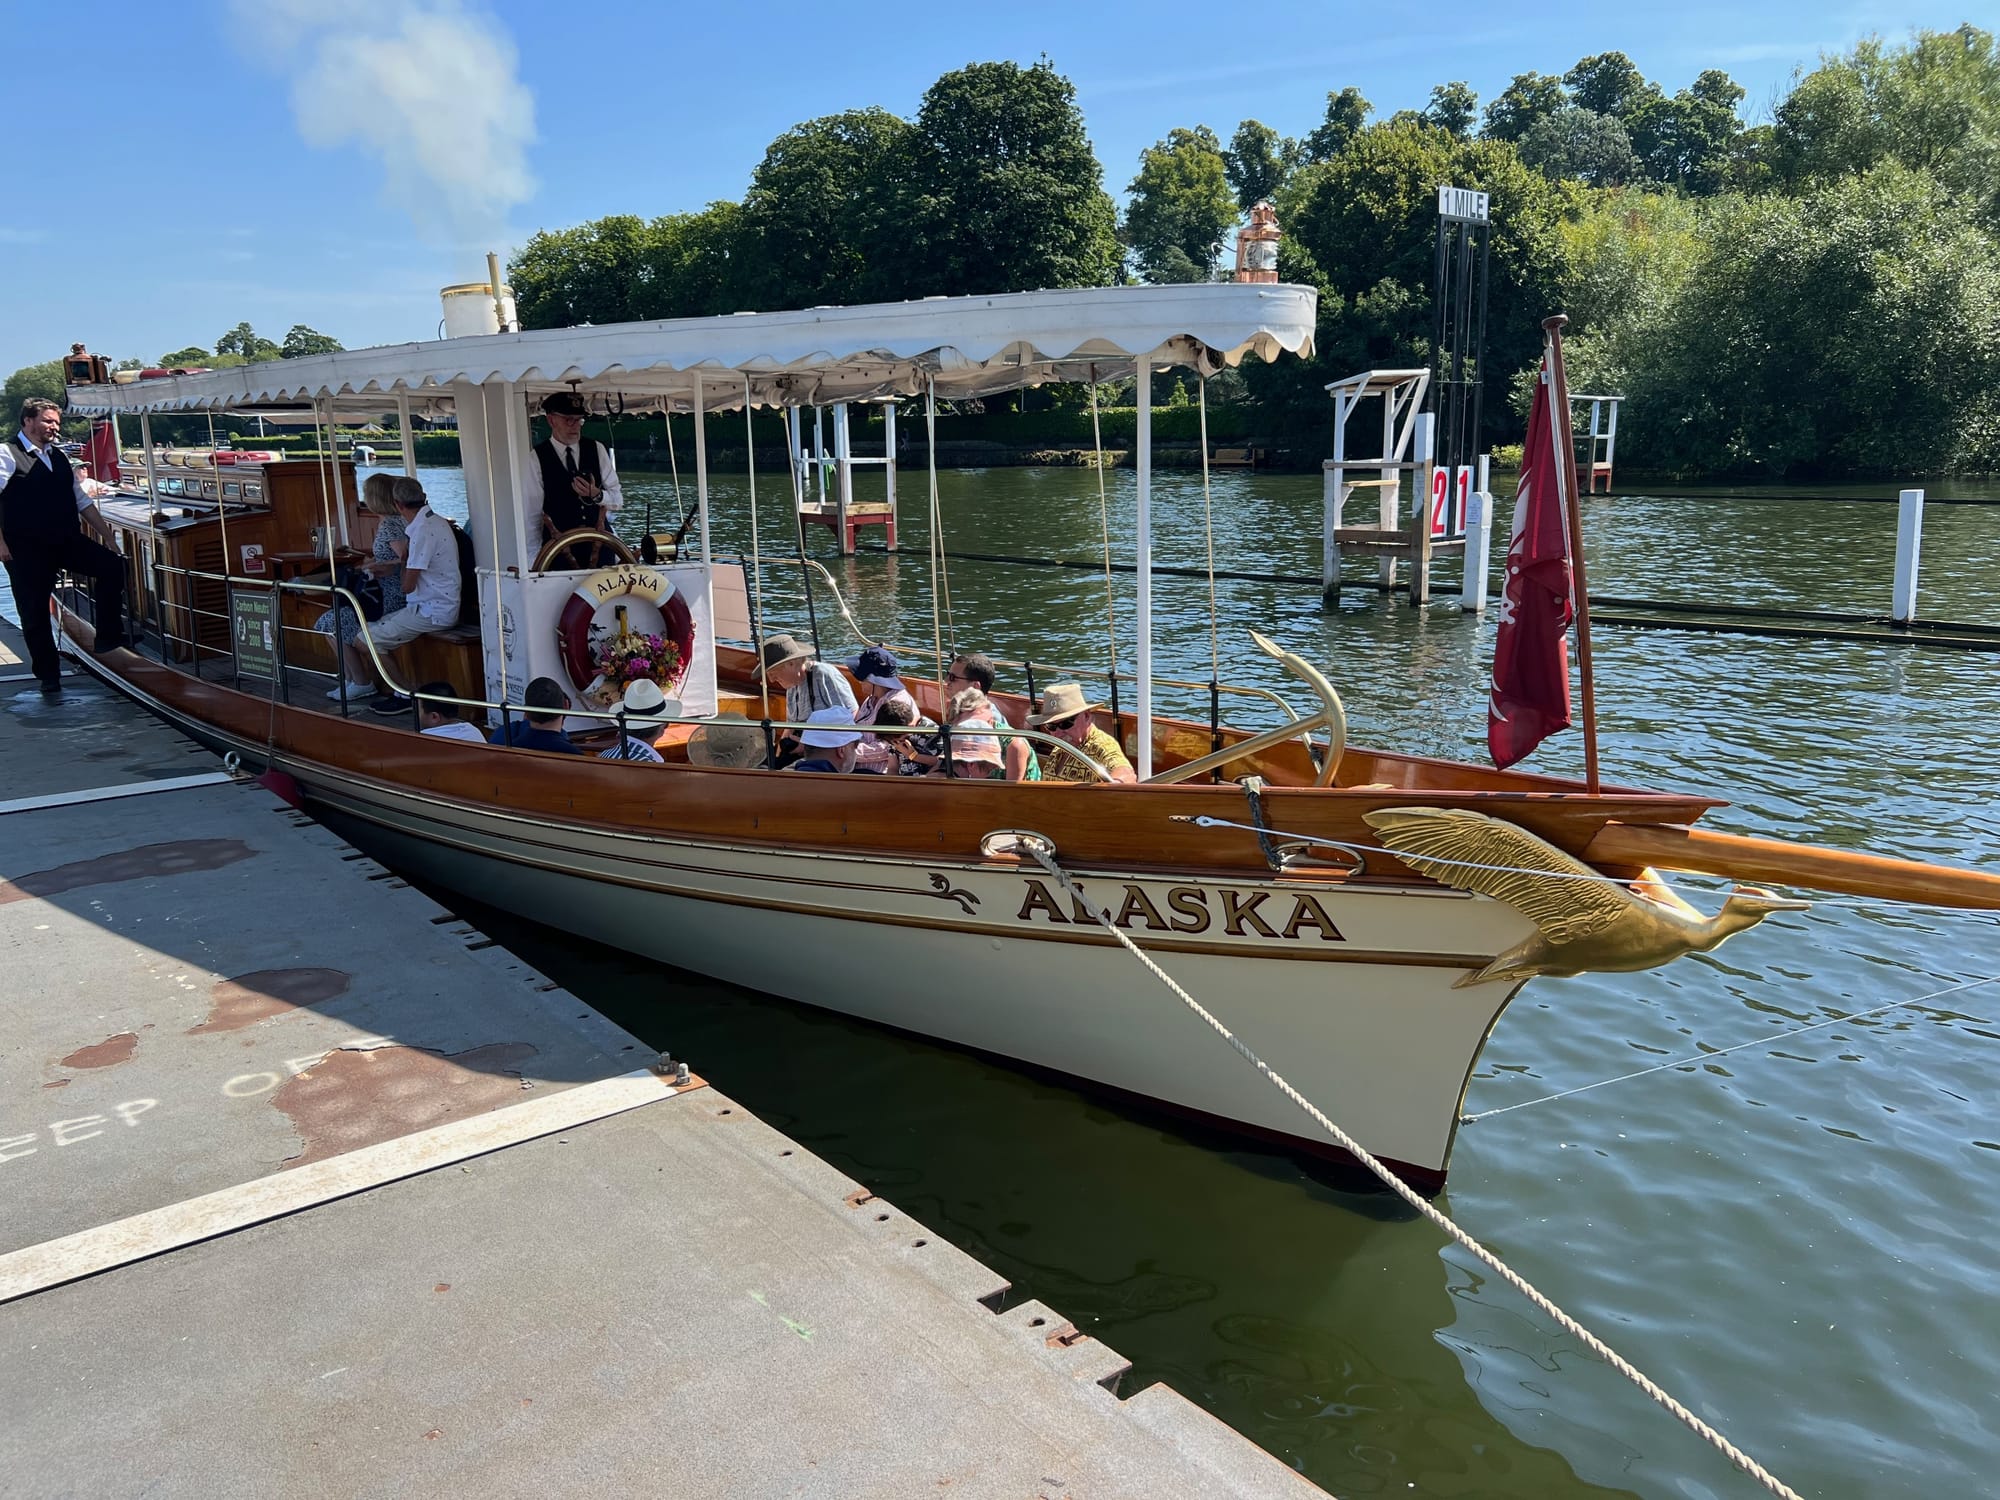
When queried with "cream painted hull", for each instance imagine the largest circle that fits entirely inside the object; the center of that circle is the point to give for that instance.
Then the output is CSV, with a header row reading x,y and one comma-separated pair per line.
x,y
1355,1007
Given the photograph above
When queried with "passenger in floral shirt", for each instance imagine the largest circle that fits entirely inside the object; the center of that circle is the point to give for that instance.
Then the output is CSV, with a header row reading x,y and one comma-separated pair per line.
x,y
1067,716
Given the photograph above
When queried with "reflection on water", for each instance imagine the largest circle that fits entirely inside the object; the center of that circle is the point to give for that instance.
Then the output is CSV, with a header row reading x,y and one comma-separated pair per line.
x,y
1790,1237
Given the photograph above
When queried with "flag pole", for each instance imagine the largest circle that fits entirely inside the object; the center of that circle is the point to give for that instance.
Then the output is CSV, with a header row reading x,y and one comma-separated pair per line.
x,y
1565,442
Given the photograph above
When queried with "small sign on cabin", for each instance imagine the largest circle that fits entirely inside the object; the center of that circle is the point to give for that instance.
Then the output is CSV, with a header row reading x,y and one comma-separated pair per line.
x,y
252,619
1465,204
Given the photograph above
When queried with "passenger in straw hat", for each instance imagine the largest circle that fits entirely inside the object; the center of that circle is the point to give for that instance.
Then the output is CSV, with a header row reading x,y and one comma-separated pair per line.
x,y
972,711
646,710
974,756
728,742
808,684
1066,715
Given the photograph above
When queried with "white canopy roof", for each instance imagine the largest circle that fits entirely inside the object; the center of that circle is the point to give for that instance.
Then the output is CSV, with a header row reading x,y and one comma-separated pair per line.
x,y
970,346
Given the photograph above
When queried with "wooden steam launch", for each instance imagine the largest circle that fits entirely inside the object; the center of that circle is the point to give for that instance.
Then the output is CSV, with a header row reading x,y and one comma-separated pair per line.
x,y
1373,981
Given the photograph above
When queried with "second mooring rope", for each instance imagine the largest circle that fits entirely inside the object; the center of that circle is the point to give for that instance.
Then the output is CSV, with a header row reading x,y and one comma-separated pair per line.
x,y
1042,852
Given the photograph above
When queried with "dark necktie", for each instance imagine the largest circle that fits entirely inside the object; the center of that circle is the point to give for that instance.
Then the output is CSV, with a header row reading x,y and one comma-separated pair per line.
x,y
569,460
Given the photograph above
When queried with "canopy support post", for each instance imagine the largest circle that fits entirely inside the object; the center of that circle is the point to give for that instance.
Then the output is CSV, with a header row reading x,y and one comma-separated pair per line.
x,y
701,476
409,436
1143,455
843,478
889,463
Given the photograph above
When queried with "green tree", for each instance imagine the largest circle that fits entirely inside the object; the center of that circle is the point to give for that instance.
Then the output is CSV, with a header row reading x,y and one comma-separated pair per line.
x,y
1582,145
697,268
1346,113
194,354
1180,202
1454,108
1609,83
599,272
246,341
1854,329
1258,161
821,210
1362,228
303,340
625,269
1688,141
1530,97
1003,192
45,379
1933,105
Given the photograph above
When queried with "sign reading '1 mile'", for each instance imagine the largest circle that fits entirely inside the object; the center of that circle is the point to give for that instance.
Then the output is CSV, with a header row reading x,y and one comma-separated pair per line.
x,y
1462,203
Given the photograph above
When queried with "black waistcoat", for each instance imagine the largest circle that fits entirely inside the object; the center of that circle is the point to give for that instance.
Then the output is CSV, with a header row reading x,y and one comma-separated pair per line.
x,y
566,510
39,502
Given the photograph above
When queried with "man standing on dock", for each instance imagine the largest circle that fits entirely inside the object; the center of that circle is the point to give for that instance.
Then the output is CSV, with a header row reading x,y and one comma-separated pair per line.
x,y
45,510
573,480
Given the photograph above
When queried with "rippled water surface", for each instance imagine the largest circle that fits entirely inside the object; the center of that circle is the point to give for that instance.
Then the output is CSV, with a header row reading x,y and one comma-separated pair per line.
x,y
1793,1237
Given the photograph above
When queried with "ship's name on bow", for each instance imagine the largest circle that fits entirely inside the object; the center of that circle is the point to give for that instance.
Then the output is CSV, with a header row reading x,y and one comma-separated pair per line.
x,y
1190,908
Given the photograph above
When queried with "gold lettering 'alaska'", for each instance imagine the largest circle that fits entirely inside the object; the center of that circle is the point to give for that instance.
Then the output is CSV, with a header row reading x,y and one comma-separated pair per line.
x,y
1192,909
645,584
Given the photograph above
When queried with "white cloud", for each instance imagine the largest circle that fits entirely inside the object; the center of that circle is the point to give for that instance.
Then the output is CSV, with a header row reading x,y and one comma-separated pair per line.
x,y
428,88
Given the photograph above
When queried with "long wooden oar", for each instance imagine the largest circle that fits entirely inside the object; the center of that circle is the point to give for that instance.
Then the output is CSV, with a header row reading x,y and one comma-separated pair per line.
x,y
1736,857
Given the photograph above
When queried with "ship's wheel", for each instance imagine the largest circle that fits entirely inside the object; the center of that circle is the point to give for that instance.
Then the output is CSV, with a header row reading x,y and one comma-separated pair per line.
x,y
583,548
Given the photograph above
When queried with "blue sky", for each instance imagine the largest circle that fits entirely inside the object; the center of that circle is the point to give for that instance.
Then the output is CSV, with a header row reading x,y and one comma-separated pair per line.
x,y
334,162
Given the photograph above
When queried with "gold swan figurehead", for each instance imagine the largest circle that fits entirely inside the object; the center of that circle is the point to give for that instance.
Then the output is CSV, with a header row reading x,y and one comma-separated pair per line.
x,y
1584,922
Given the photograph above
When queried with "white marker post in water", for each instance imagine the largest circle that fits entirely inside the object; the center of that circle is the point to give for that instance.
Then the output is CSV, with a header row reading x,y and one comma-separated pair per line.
x,y
1478,539
1909,543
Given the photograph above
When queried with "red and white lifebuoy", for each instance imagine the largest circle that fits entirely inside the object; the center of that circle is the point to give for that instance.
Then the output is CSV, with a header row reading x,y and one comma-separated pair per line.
x,y
628,580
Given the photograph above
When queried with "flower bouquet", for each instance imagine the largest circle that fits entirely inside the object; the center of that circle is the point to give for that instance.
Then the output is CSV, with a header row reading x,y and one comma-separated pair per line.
x,y
623,658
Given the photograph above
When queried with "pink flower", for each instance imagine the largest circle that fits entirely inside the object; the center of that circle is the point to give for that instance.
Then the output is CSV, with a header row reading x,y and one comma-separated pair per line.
x,y
637,668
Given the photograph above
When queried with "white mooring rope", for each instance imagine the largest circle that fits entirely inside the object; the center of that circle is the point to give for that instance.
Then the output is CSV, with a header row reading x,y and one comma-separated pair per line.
x,y
1042,852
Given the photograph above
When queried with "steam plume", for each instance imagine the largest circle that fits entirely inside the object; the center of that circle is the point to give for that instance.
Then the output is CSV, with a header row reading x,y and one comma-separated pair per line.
x,y
427,87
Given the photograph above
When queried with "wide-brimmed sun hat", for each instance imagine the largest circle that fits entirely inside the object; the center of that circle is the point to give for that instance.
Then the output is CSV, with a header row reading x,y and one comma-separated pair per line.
x,y
646,705
838,728
729,742
1063,700
780,649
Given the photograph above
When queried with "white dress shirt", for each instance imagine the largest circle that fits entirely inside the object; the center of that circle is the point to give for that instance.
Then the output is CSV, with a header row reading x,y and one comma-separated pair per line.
x,y
10,461
613,499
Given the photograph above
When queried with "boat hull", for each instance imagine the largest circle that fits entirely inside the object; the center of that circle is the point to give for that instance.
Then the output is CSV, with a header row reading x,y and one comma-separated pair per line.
x,y
1345,987
1002,963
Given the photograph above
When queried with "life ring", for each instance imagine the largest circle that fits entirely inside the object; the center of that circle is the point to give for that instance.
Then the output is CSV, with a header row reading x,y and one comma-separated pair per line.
x,y
629,580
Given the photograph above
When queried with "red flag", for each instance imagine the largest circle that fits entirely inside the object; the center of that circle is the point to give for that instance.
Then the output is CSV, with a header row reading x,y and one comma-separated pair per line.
x,y
102,455
1530,698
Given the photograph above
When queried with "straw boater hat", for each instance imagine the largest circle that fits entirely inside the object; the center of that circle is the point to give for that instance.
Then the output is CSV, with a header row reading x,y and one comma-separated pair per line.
x,y
780,649
729,741
646,707
1063,700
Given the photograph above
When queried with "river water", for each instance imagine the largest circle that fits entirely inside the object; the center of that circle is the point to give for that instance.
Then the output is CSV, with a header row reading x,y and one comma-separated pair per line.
x,y
1791,1237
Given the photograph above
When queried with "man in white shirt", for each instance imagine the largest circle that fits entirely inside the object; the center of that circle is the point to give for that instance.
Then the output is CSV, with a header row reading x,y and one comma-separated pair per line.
x,y
45,509
431,588
573,480
440,717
